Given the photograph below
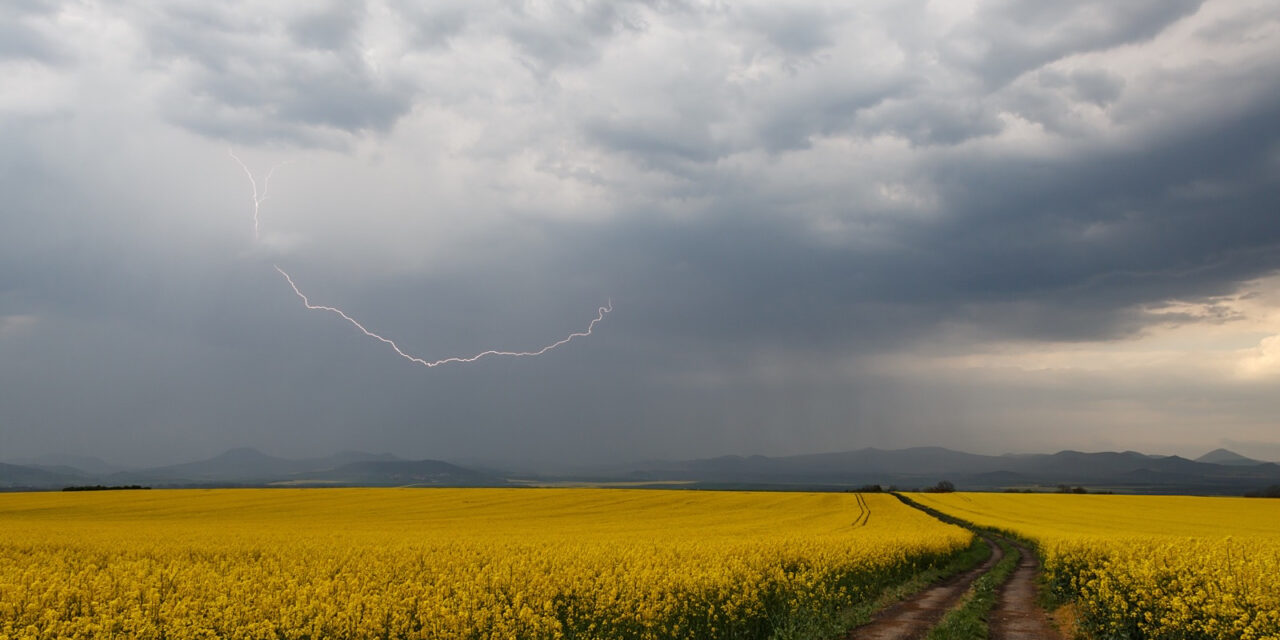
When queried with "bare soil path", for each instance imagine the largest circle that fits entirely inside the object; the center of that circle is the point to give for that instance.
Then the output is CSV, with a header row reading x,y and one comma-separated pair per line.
x,y
912,618
1017,615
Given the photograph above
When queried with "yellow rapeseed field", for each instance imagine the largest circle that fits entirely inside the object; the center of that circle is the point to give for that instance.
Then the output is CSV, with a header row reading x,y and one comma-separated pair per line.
x,y
1148,566
449,563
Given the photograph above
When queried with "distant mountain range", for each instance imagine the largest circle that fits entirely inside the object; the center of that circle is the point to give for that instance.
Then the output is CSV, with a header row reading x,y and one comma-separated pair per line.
x,y
245,467
1223,456
69,464
1219,472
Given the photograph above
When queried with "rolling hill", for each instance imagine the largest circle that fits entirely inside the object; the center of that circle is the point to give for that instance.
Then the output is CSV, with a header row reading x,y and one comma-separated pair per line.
x,y
1217,472
245,467
925,466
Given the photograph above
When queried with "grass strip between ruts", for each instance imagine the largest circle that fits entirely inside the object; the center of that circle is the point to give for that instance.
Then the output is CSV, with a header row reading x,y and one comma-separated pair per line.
x,y
968,621
977,552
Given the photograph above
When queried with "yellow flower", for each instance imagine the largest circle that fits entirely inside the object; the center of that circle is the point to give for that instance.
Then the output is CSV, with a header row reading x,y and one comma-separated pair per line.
x,y
446,563
1156,566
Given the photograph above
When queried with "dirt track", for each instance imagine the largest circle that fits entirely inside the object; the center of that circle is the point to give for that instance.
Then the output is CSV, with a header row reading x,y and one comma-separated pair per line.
x,y
912,618
1017,616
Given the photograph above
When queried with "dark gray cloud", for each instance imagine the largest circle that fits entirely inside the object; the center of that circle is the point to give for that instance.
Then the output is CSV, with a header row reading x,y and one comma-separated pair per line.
x,y
25,33
1009,38
242,75
19,42
1071,249
804,217
331,28
798,30
553,35
432,25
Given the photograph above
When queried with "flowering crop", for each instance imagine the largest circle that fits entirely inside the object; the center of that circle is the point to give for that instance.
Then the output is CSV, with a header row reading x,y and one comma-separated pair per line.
x,y
448,563
1159,567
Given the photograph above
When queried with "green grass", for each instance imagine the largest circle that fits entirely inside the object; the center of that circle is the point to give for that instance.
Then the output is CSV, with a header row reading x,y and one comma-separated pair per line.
x,y
975,554
968,621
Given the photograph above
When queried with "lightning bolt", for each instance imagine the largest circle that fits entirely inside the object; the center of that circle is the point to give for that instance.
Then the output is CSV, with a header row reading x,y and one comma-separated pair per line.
x,y
260,197
600,313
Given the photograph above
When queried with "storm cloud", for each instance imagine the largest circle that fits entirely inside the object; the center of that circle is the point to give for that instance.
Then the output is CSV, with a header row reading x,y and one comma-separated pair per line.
x,y
990,225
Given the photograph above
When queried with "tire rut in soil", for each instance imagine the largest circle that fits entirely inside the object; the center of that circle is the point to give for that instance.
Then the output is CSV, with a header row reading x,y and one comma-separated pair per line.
x,y
914,617
1017,615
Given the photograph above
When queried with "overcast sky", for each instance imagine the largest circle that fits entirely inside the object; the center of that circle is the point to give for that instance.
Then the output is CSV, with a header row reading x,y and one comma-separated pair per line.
x,y
1000,226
